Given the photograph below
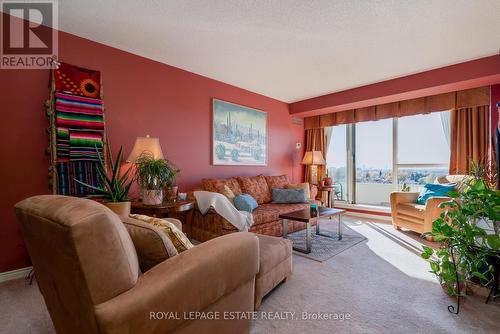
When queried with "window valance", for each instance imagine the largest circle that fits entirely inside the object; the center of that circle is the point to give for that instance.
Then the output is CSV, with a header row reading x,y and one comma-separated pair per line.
x,y
423,105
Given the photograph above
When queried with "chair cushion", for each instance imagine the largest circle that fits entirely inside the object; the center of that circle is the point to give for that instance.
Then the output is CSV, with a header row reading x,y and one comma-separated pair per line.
x,y
412,210
256,187
217,185
151,244
434,190
272,251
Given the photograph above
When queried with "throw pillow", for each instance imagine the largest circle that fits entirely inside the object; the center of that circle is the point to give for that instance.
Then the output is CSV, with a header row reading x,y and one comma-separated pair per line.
x,y
226,191
434,190
179,239
304,186
245,202
256,187
283,196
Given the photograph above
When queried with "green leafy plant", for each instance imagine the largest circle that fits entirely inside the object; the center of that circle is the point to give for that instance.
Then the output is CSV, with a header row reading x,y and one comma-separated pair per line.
x,y
469,235
405,187
114,185
154,174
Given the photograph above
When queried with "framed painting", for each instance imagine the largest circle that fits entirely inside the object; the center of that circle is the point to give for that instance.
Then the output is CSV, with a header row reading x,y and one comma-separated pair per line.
x,y
239,135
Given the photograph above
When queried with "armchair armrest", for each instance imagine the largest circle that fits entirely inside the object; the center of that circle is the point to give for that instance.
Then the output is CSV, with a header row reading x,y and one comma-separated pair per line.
x,y
432,211
188,282
398,197
403,197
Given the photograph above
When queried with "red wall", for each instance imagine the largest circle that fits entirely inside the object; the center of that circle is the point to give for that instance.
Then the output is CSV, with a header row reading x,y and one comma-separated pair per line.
x,y
475,73
141,97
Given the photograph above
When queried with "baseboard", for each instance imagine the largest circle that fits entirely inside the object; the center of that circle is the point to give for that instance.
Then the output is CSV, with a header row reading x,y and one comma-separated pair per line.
x,y
384,219
15,274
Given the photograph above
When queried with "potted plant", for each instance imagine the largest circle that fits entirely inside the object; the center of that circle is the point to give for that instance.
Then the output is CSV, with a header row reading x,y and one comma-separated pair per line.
x,y
328,180
114,185
469,235
153,175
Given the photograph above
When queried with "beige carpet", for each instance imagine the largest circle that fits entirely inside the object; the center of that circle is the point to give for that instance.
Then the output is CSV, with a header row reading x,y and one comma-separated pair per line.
x,y
382,284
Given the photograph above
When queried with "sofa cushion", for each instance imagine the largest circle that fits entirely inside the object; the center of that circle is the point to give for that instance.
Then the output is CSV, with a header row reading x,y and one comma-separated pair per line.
x,y
217,185
256,187
304,185
286,196
279,181
270,212
245,202
226,191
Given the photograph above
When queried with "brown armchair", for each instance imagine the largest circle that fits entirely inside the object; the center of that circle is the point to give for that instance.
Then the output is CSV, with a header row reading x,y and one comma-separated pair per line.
x,y
88,273
406,213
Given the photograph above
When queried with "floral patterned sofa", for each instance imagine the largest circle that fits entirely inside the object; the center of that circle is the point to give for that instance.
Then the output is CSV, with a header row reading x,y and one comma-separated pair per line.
x,y
266,221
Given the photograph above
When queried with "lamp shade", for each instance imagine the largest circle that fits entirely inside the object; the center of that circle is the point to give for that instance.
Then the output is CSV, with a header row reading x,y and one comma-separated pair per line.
x,y
313,158
146,144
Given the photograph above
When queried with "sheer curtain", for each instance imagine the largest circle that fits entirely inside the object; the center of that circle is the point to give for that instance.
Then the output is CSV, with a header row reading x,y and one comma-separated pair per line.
x,y
445,122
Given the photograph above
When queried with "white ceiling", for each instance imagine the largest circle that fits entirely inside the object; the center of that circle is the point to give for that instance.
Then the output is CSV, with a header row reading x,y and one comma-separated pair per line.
x,y
293,49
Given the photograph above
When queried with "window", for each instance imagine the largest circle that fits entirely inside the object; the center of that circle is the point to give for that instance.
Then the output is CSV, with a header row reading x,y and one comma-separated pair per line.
x,y
373,159
423,149
368,160
336,160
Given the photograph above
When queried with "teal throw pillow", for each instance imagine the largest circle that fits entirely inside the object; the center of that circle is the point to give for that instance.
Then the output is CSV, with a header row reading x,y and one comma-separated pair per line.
x,y
434,190
245,202
282,196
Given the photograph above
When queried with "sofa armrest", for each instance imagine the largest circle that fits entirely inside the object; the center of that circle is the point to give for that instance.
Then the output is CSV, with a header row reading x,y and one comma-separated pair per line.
x,y
188,282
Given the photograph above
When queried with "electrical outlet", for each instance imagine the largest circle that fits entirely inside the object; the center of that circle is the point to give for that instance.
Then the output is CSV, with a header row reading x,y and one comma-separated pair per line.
x,y
298,145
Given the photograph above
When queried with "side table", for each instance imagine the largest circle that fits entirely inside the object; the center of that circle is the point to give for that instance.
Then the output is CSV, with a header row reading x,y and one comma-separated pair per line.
x,y
329,194
182,210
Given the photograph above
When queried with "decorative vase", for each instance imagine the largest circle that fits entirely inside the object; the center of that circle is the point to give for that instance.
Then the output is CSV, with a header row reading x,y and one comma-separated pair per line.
x,y
122,209
328,181
152,197
171,193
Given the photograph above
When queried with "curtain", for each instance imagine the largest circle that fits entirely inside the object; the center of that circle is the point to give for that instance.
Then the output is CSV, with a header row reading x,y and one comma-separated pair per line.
x,y
445,123
422,105
315,140
469,138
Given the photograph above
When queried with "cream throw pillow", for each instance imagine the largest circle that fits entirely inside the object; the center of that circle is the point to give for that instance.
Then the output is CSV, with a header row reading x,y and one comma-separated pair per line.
x,y
304,186
226,191
178,238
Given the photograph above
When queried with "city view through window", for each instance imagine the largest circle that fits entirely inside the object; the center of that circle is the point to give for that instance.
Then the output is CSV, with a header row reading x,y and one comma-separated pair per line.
x,y
422,154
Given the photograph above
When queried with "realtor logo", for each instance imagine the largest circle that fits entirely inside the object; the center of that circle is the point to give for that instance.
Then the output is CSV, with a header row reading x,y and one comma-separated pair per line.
x,y
29,34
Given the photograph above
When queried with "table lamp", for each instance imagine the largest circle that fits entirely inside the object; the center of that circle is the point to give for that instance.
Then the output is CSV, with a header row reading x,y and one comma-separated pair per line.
x,y
146,144
313,158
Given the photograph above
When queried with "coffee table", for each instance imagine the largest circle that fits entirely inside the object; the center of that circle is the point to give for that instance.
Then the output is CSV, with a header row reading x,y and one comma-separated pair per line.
x,y
306,217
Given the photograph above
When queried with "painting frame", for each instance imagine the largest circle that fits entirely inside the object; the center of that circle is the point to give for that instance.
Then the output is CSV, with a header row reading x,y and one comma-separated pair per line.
x,y
249,149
